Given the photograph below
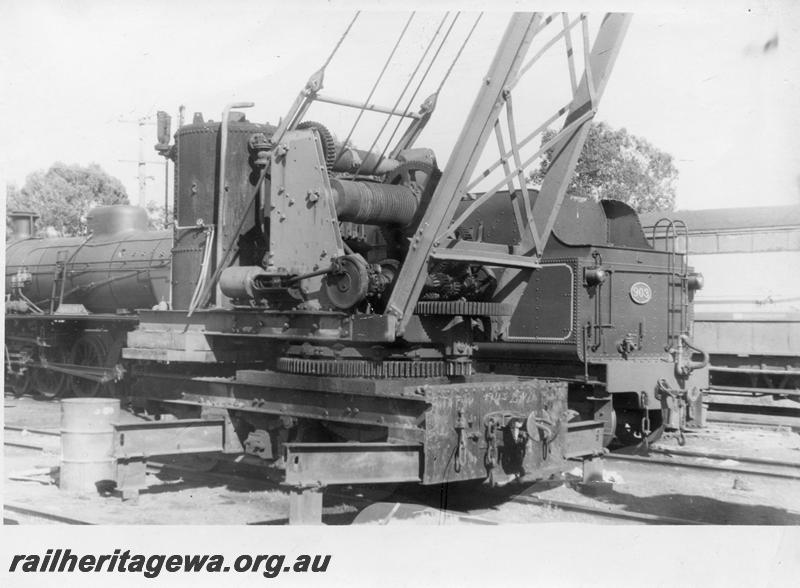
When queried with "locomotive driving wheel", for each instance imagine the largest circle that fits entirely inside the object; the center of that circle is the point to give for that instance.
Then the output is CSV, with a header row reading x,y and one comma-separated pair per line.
x,y
20,384
49,384
91,350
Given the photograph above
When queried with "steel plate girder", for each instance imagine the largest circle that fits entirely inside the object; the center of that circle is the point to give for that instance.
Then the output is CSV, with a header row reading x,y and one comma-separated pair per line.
x,y
330,402
301,205
309,464
168,437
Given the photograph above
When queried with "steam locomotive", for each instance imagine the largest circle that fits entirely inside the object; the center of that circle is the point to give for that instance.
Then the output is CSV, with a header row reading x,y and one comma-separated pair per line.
x,y
70,301
288,300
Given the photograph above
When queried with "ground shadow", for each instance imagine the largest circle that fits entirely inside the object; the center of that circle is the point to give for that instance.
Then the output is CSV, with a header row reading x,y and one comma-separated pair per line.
x,y
701,509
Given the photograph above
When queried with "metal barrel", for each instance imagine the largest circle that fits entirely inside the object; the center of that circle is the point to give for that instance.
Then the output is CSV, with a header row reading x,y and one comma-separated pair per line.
x,y
87,443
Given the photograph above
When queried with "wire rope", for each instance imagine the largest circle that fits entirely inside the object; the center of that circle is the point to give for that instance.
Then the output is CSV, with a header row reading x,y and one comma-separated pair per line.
x,y
407,86
341,39
460,50
374,87
419,86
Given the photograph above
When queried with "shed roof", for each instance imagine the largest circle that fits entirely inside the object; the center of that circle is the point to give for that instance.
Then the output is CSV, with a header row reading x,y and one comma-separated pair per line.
x,y
730,218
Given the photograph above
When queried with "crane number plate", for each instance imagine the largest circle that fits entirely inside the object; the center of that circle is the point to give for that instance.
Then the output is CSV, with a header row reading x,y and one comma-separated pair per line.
x,y
641,293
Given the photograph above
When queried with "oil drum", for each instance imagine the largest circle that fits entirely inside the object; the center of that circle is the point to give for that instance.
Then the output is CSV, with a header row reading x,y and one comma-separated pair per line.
x,y
87,443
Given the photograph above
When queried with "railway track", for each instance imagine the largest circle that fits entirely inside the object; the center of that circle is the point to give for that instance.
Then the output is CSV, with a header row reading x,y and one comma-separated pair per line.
x,y
184,469
740,406
35,439
713,463
605,511
346,505
364,504
15,513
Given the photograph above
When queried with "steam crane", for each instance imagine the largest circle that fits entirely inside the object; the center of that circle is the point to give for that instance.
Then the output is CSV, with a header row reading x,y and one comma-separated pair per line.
x,y
369,317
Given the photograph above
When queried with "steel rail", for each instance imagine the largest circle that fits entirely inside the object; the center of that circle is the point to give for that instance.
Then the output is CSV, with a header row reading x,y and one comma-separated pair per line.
x,y
701,466
647,519
789,371
722,456
748,392
42,514
23,443
770,421
32,431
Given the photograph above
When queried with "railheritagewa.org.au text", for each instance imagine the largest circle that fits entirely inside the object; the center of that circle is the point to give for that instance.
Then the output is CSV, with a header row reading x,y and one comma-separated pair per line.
x,y
151,566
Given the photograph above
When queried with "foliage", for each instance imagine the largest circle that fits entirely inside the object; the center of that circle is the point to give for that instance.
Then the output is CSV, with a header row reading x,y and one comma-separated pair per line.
x,y
619,166
157,216
64,194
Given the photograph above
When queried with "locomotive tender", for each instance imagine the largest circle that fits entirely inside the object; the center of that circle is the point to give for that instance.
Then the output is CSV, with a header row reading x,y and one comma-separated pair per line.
x,y
366,315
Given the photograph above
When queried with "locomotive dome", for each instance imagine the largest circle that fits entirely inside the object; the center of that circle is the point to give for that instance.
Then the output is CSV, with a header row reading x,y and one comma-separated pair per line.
x,y
106,220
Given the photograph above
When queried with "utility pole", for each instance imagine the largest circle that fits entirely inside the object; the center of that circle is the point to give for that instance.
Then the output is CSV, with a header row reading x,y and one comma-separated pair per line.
x,y
141,162
142,172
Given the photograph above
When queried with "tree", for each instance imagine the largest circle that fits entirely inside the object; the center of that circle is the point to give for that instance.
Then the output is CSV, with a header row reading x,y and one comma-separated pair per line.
x,y
157,216
64,194
619,166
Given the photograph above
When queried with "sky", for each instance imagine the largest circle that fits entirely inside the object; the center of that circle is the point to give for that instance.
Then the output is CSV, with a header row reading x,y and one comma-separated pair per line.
x,y
692,78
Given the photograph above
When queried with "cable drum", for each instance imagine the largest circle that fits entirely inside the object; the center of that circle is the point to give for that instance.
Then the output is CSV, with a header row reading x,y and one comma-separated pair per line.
x,y
374,204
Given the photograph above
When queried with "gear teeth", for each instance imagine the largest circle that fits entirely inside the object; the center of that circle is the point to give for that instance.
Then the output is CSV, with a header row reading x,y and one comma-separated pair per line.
x,y
462,308
326,137
362,368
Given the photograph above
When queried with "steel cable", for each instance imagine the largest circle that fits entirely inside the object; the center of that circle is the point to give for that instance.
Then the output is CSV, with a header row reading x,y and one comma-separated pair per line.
x,y
419,86
374,87
460,50
341,39
408,85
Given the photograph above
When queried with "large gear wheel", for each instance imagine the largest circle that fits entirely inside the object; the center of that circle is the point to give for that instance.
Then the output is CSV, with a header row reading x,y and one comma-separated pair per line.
x,y
326,137
462,308
362,368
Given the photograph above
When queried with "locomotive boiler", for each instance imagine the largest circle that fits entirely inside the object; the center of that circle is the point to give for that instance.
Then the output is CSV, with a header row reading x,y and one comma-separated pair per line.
x,y
121,265
370,316
70,300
